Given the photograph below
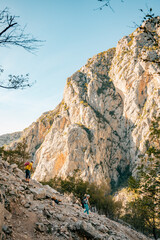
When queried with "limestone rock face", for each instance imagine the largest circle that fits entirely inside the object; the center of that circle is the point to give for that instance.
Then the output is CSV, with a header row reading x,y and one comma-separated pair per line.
x,y
36,132
136,75
8,138
103,121
90,131
102,124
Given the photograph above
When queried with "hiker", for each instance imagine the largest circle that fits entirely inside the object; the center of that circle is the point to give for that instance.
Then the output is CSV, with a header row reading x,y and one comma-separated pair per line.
x,y
28,167
86,204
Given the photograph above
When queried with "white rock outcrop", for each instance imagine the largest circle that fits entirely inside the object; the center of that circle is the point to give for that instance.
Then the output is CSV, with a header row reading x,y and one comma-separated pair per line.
x,y
102,124
103,120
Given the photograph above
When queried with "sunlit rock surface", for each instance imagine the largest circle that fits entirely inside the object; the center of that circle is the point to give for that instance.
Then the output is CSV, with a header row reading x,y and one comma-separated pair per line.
x,y
102,124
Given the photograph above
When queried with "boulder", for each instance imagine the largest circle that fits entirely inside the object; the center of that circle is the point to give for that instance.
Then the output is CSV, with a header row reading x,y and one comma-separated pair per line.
x,y
87,230
19,173
49,191
38,193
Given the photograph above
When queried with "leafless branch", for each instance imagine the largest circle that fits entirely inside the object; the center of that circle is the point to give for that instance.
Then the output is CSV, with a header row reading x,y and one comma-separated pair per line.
x,y
106,4
12,34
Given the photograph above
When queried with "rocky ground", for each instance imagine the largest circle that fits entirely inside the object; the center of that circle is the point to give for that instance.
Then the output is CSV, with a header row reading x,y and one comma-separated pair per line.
x,y
27,211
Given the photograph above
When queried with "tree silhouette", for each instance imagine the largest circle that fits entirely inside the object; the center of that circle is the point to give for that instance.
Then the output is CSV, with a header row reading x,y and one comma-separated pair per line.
x,y
12,34
106,3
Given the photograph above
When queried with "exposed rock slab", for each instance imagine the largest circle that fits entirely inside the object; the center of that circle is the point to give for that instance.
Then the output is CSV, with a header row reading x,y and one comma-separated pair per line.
x,y
103,121
102,124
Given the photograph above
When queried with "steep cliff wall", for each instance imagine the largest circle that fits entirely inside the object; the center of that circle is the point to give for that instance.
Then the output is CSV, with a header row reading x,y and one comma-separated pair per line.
x,y
36,132
90,131
136,75
102,124
106,111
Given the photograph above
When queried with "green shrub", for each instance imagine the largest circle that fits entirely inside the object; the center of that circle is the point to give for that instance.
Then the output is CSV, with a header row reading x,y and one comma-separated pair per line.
x,y
143,212
19,155
99,194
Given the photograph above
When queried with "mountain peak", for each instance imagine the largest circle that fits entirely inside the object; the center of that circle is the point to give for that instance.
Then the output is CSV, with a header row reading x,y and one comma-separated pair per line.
x,y
102,124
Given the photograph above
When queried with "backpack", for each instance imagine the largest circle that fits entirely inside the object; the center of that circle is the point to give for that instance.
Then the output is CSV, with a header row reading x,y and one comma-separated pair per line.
x,y
26,164
83,201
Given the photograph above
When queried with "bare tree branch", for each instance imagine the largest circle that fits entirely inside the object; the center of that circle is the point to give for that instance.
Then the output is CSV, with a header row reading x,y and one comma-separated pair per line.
x,y
12,34
106,4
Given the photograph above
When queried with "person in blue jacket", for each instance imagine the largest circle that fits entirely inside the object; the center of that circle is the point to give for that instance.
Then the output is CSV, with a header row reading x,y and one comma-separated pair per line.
x,y
86,204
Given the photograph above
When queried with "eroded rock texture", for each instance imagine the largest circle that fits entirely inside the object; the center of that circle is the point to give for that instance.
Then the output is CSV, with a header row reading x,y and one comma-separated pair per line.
x,y
103,121
9,138
102,124
90,131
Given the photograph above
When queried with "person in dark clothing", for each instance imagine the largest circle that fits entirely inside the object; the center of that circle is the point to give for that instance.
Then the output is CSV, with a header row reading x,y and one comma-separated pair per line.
x,y
82,201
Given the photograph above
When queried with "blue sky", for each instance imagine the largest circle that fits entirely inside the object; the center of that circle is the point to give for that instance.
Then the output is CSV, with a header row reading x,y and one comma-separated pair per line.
x,y
73,32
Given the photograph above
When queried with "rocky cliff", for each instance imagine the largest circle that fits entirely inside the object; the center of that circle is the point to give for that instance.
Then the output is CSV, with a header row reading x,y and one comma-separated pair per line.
x,y
36,132
27,211
9,138
102,124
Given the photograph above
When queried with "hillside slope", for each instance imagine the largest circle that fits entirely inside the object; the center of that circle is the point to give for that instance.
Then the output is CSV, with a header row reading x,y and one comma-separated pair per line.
x,y
28,212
